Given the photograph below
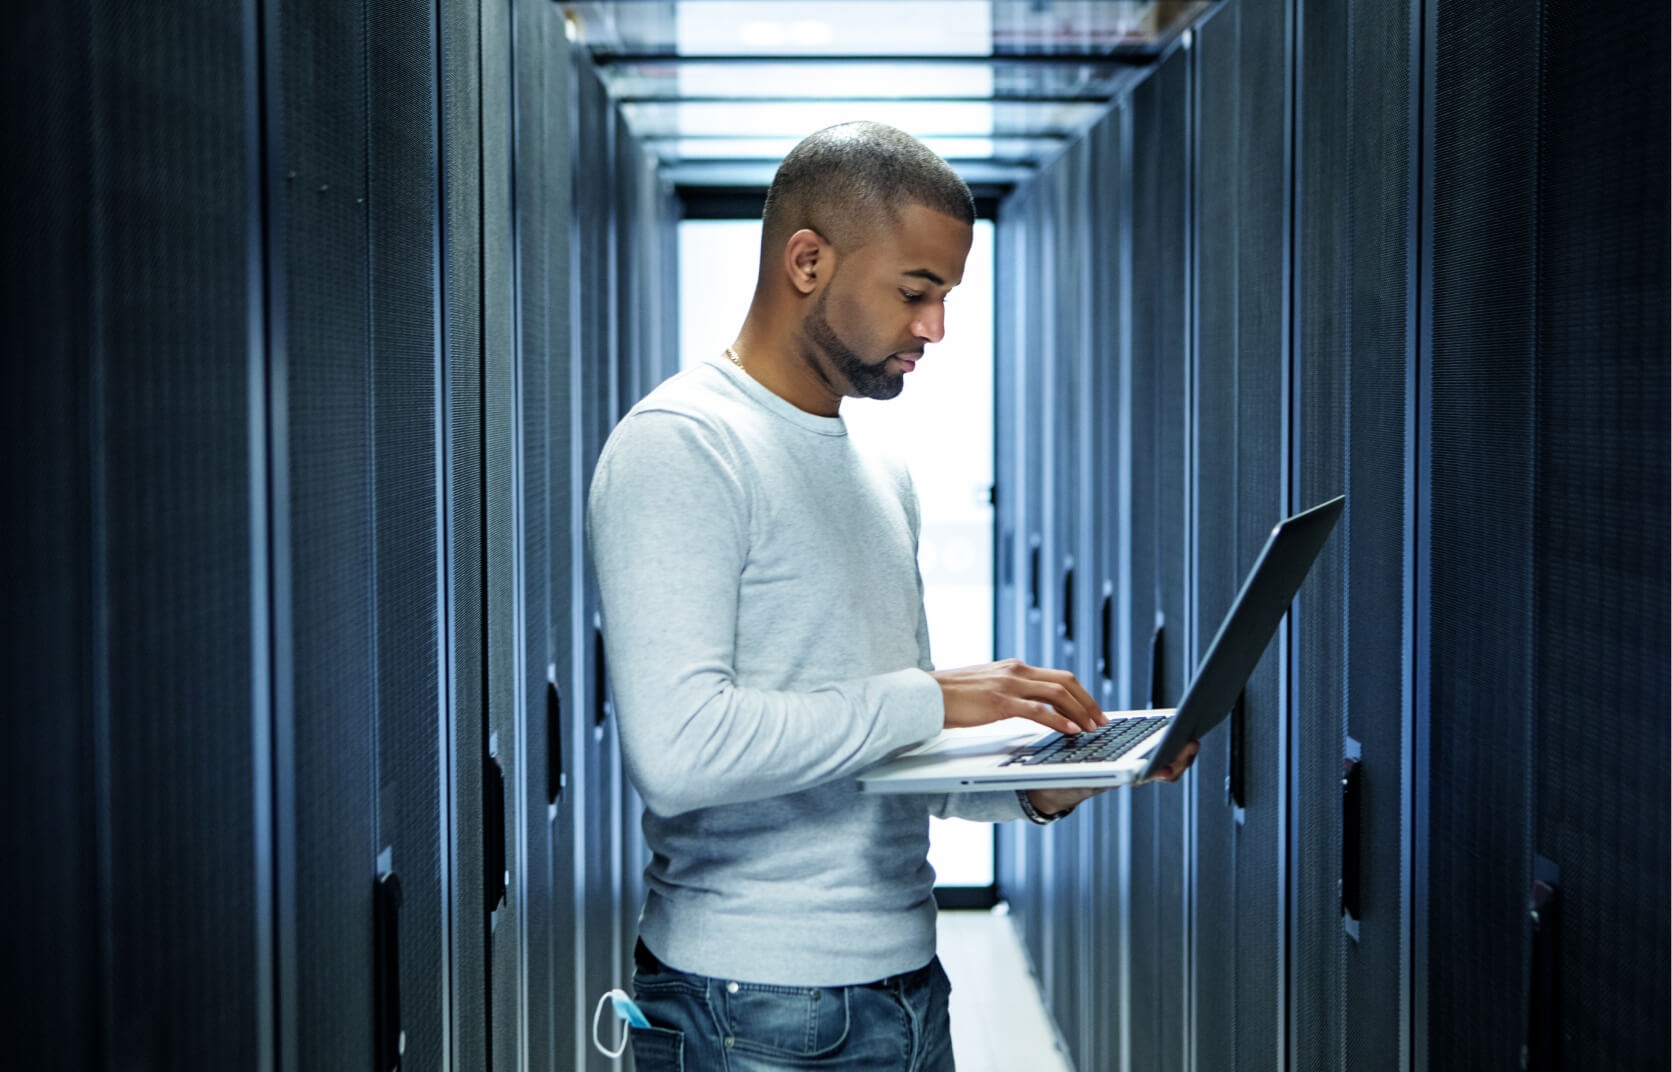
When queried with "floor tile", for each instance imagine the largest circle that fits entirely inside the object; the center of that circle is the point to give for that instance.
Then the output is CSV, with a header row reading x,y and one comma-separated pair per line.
x,y
998,1023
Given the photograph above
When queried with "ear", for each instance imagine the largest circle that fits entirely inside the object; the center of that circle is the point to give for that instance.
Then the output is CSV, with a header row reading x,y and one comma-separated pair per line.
x,y
808,260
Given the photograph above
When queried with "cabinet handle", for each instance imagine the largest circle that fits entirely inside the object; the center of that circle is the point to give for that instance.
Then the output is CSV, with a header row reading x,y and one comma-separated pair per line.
x,y
1236,778
1542,1051
495,878
1105,648
1352,836
1157,657
386,941
600,693
1066,628
555,778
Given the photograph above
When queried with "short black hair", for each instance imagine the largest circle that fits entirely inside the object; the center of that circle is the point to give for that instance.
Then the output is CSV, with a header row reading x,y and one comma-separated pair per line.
x,y
844,181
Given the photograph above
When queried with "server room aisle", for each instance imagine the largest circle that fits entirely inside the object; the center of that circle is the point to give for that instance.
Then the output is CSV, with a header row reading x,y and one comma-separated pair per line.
x,y
998,1022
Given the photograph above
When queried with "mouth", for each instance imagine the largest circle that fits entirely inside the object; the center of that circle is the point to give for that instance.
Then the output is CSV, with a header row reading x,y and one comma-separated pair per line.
x,y
907,361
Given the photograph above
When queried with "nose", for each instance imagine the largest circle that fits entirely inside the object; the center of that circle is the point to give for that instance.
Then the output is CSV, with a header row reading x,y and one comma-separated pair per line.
x,y
930,324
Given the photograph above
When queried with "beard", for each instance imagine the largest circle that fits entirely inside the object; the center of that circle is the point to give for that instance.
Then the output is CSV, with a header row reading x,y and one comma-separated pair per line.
x,y
867,380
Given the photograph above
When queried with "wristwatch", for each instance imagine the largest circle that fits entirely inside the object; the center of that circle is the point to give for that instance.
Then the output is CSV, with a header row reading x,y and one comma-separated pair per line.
x,y
1034,814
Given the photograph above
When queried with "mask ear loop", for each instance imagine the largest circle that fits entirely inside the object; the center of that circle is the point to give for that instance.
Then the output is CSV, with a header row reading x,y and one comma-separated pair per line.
x,y
626,1028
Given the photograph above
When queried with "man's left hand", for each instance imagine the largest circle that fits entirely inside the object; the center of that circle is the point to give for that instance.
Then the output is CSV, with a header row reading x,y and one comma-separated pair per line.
x,y
1051,801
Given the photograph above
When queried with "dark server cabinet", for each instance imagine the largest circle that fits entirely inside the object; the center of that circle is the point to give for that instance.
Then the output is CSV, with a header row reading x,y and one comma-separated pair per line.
x,y
1238,801
1059,468
1352,414
598,355
137,914
1597,959
549,523
1102,906
1012,550
503,453
1542,607
1156,957
53,735
461,238
1021,854
1008,551
1080,587
356,523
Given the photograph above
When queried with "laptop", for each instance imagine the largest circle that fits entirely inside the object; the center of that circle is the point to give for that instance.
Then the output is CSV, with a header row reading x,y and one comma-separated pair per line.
x,y
1018,753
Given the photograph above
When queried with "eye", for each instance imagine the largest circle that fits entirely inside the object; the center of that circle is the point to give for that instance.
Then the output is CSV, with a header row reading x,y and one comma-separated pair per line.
x,y
911,296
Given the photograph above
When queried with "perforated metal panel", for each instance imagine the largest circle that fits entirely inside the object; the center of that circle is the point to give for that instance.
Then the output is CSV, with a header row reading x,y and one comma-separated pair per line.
x,y
1325,259
564,536
1102,995
167,432
1263,367
1484,257
500,446
542,357
1378,523
1356,207
1222,171
462,344
600,356
1009,422
1159,290
402,196
1600,524
45,570
331,533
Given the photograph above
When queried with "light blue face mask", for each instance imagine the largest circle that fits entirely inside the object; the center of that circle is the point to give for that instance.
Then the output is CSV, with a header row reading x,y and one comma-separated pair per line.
x,y
626,1011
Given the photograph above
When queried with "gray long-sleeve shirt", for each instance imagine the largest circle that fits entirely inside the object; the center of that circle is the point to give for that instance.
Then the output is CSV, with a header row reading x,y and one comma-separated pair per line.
x,y
763,615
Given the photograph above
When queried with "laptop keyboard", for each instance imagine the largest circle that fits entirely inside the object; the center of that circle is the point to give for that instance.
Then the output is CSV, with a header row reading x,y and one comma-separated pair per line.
x,y
1101,745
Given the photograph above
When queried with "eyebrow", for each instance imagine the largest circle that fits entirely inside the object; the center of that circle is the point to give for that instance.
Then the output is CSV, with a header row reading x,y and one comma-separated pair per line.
x,y
924,273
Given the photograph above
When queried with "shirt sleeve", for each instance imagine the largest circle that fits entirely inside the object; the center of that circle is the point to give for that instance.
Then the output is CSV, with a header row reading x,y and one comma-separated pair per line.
x,y
668,526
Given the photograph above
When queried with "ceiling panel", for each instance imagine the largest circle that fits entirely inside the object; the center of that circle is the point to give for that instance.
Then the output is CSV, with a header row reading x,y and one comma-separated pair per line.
x,y
726,87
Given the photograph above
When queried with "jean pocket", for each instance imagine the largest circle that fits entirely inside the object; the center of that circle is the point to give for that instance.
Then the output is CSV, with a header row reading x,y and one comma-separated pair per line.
x,y
938,977
658,1049
784,1021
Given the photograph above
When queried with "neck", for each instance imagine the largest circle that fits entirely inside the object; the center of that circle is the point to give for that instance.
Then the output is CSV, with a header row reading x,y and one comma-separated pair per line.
x,y
773,354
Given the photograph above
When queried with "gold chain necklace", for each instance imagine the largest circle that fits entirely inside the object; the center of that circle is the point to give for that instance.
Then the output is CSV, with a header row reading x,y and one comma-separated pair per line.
x,y
731,353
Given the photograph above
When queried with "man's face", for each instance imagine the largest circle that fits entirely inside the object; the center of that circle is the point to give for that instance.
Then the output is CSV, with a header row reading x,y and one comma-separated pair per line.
x,y
886,301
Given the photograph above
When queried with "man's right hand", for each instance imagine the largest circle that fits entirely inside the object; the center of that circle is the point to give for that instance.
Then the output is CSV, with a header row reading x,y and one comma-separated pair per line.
x,y
977,695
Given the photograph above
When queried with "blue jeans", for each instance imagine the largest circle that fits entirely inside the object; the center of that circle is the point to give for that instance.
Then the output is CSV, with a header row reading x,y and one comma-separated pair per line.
x,y
699,1024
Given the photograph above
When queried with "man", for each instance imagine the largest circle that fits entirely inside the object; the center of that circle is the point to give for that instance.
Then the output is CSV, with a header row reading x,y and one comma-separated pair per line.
x,y
764,617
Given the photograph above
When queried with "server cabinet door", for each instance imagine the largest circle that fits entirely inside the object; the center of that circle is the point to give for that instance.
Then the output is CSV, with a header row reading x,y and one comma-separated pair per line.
x,y
1013,548
1160,435
132,652
598,801
1356,205
360,427
327,537
1600,552
1239,797
459,32
1108,575
1546,478
51,973
550,519
505,493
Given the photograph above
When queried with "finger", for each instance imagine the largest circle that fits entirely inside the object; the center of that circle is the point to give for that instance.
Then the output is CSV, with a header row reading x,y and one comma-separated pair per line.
x,y
1061,697
1181,763
1046,715
1090,706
